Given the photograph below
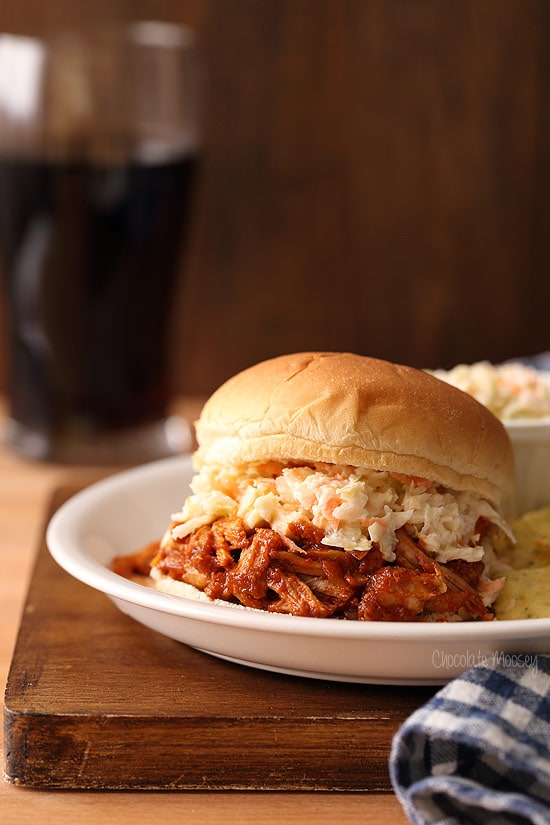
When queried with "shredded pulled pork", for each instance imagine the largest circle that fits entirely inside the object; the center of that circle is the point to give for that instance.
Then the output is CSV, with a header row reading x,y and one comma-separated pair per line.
x,y
299,574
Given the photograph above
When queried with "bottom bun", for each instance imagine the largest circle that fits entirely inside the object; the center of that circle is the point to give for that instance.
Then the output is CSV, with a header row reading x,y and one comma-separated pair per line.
x,y
166,584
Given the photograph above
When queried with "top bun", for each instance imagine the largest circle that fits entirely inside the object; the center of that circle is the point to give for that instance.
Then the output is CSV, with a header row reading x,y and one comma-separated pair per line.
x,y
348,409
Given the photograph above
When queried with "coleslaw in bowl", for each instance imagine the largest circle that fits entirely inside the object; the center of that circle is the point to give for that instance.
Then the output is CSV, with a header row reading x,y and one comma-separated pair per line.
x,y
518,394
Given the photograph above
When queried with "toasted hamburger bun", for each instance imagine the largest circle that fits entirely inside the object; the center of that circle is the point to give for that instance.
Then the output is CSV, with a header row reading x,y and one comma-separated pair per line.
x,y
349,409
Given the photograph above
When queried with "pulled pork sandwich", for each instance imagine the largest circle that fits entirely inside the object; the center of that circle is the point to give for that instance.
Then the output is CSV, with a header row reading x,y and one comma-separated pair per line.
x,y
335,485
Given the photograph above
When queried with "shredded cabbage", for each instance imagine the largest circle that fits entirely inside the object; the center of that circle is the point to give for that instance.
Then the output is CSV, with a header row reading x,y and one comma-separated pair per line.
x,y
354,507
509,390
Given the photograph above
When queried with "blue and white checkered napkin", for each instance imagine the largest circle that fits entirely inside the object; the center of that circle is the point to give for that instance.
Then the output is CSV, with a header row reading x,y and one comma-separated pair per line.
x,y
479,751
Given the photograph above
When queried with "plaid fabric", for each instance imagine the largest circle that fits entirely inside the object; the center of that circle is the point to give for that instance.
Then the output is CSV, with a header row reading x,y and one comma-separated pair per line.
x,y
479,751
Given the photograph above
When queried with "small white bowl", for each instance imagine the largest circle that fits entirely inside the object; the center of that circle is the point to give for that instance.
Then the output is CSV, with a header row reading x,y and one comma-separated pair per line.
x,y
531,442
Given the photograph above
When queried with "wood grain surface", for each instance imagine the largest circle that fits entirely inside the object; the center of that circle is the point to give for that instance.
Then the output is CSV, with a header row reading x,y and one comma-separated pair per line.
x,y
375,178
96,701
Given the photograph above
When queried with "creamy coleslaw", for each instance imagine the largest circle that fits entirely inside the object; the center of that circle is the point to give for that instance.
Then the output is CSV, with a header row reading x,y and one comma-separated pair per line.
x,y
510,391
354,507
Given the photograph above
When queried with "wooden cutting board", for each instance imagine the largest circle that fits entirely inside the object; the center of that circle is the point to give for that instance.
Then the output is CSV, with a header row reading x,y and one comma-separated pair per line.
x,y
95,700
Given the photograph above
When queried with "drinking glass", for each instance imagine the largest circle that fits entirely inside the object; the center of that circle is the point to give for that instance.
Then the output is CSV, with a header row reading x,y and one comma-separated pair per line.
x,y
99,144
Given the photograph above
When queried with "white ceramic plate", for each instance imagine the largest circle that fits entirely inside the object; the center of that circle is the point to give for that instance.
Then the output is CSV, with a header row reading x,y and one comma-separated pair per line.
x,y
122,513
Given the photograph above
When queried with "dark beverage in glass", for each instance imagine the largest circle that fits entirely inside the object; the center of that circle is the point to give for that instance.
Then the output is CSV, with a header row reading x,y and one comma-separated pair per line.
x,y
98,156
90,258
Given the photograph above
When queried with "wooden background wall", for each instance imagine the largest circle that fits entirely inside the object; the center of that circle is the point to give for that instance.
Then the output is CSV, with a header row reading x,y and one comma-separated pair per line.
x,y
376,178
